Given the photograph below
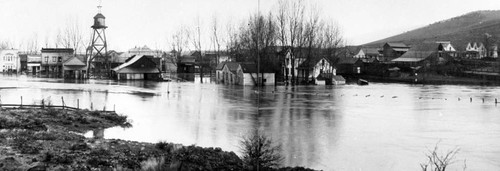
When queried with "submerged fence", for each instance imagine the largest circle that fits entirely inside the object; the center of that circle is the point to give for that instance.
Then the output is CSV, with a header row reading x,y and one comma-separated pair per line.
x,y
44,104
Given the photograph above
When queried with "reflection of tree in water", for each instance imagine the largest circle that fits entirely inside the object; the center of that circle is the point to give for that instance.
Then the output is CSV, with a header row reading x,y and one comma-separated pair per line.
x,y
289,114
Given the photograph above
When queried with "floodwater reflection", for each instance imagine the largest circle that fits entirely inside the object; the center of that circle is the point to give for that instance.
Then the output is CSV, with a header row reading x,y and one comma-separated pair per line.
x,y
375,127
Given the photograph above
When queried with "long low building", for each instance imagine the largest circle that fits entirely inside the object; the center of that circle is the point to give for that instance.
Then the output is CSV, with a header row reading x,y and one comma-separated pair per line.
x,y
140,67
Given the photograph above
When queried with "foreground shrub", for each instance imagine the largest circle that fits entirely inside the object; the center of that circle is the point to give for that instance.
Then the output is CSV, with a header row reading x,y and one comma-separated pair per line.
x,y
198,158
259,153
439,162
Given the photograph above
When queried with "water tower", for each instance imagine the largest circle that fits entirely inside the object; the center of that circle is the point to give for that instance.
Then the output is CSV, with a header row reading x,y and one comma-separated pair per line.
x,y
97,53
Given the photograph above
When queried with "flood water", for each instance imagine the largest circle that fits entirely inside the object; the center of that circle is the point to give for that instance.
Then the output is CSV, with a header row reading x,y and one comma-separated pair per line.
x,y
348,127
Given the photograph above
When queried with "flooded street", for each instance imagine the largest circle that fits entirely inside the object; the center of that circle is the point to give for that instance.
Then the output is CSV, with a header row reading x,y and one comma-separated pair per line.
x,y
350,127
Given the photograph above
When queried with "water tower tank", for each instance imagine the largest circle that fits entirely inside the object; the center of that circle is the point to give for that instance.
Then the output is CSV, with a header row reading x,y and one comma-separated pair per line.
x,y
99,21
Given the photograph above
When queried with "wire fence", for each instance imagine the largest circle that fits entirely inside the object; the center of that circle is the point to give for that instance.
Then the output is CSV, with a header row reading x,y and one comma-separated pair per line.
x,y
48,104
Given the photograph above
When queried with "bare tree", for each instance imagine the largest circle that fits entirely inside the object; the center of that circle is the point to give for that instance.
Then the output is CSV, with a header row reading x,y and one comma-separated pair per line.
x,y
439,162
312,27
71,36
32,45
5,44
332,40
196,40
259,152
179,42
216,38
295,27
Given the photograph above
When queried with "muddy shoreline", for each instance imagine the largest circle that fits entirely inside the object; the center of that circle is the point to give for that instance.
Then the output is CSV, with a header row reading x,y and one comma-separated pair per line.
x,y
52,139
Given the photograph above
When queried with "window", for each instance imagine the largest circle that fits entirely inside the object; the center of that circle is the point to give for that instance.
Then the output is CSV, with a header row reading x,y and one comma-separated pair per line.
x,y
46,59
53,59
59,59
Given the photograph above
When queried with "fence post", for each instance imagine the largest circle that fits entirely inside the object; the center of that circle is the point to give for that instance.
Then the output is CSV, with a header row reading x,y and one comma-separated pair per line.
x,y
0,100
62,101
43,103
91,106
78,103
21,101
104,108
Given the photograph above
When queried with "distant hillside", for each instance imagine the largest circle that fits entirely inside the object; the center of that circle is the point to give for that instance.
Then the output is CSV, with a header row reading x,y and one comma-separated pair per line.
x,y
460,30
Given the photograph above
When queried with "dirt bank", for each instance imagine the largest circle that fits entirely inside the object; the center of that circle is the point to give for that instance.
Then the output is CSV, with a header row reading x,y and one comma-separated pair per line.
x,y
52,139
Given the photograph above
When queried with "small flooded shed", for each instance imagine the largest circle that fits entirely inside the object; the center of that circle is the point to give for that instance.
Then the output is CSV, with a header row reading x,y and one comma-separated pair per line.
x,y
74,68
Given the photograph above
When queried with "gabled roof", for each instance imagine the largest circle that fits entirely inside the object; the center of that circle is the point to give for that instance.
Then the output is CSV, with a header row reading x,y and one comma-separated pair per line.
x,y
74,61
371,51
252,68
188,59
129,62
414,56
57,50
220,66
313,62
353,50
232,66
397,45
338,78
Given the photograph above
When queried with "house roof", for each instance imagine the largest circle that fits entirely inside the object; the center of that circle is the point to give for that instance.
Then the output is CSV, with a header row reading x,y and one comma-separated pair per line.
x,y
129,62
138,70
252,68
338,78
414,56
74,61
371,51
57,50
220,66
353,50
232,66
312,63
397,45
400,49
188,59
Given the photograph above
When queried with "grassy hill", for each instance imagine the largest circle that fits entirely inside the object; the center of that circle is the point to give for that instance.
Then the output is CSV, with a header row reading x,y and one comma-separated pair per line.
x,y
459,30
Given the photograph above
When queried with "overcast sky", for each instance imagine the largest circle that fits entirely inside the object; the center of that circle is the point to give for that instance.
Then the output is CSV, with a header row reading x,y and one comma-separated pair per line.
x,y
150,22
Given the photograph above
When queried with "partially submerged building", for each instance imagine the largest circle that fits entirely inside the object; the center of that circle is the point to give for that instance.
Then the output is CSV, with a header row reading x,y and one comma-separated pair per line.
x,y
9,60
75,67
139,67
52,60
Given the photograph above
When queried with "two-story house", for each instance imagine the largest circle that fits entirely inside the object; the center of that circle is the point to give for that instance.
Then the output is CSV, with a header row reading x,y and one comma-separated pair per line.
x,y
52,60
9,60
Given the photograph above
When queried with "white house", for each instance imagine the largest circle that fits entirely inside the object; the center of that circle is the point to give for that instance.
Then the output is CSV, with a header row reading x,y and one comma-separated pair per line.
x,y
247,74
9,60
319,70
243,74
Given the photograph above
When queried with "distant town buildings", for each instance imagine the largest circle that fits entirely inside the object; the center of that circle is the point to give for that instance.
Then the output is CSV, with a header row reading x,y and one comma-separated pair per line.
x,y
9,60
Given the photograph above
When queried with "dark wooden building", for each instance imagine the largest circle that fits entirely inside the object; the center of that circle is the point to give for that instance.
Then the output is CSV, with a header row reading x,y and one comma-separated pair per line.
x,y
393,50
349,66
140,67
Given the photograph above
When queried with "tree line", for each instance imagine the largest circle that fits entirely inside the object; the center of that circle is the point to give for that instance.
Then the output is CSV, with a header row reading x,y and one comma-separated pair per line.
x,y
294,27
